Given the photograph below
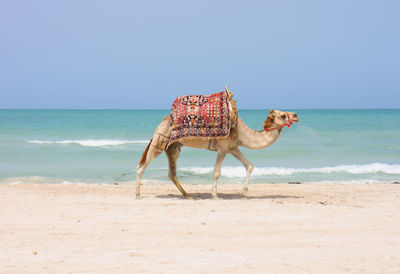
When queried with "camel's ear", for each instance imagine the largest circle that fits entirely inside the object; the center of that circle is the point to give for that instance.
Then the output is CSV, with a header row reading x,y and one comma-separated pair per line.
x,y
272,113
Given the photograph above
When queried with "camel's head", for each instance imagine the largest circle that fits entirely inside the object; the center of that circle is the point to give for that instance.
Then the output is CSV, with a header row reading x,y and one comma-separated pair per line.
x,y
278,119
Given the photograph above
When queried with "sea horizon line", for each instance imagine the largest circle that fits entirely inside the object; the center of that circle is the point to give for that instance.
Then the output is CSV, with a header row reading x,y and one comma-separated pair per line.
x,y
166,109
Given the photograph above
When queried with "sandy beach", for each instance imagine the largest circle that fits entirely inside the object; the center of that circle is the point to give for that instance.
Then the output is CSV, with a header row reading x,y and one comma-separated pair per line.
x,y
281,228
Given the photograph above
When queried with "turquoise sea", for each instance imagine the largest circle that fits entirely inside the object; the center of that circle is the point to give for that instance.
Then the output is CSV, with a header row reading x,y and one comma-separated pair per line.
x,y
104,146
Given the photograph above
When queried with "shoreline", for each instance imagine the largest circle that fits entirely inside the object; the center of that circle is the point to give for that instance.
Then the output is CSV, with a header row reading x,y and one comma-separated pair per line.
x,y
38,180
379,173
51,228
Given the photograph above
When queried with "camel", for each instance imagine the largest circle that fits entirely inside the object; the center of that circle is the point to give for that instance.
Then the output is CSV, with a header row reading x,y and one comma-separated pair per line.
x,y
244,136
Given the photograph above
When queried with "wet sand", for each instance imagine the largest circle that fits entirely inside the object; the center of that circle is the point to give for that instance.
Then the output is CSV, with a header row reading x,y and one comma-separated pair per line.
x,y
281,228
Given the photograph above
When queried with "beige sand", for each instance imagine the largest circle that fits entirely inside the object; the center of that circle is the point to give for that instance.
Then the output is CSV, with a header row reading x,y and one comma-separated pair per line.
x,y
281,228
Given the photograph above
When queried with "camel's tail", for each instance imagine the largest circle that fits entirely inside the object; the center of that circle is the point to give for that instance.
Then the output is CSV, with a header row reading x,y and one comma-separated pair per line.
x,y
144,155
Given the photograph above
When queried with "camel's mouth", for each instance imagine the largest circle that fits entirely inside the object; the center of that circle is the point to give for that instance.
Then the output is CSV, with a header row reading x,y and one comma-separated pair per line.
x,y
295,118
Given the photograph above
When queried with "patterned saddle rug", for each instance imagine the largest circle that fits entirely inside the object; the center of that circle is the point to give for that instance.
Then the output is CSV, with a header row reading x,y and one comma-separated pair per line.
x,y
200,117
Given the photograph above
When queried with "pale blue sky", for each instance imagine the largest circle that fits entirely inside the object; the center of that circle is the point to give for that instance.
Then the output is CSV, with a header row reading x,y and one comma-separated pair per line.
x,y
142,54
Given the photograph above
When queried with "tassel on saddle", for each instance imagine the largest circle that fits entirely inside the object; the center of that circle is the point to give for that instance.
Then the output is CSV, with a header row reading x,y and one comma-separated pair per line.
x,y
233,112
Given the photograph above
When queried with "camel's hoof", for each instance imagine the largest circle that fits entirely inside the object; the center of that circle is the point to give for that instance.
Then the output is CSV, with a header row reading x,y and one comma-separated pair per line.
x,y
188,197
214,197
138,197
244,193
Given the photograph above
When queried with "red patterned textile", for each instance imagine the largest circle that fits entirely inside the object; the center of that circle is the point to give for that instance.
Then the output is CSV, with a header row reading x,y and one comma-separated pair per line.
x,y
200,116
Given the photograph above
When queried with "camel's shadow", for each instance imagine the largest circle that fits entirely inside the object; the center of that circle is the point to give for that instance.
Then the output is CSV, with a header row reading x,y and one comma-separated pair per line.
x,y
226,196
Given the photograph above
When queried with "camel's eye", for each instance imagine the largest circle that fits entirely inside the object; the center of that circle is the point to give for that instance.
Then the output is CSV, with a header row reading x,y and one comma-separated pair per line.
x,y
283,116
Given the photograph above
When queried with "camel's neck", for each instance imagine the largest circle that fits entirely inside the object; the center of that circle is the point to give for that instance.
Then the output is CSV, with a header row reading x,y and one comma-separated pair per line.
x,y
253,139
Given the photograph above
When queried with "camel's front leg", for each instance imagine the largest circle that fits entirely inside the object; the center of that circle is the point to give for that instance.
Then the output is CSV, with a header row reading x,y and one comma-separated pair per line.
x,y
249,168
217,172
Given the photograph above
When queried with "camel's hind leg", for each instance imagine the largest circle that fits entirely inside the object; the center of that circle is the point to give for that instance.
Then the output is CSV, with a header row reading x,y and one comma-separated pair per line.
x,y
149,154
156,145
173,153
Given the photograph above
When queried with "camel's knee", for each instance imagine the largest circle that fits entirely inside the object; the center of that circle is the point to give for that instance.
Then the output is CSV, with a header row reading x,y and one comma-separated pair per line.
x,y
217,174
139,171
250,168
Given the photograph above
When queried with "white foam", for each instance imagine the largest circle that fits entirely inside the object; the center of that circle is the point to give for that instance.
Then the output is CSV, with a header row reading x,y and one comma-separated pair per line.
x,y
200,170
49,180
239,171
68,183
91,143
46,180
30,180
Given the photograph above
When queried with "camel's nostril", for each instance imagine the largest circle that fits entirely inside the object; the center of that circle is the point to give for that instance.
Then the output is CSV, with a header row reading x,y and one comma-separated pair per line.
x,y
295,115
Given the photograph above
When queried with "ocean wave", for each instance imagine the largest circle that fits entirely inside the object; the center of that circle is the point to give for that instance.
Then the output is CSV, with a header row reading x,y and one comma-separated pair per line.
x,y
49,180
31,180
234,172
91,143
